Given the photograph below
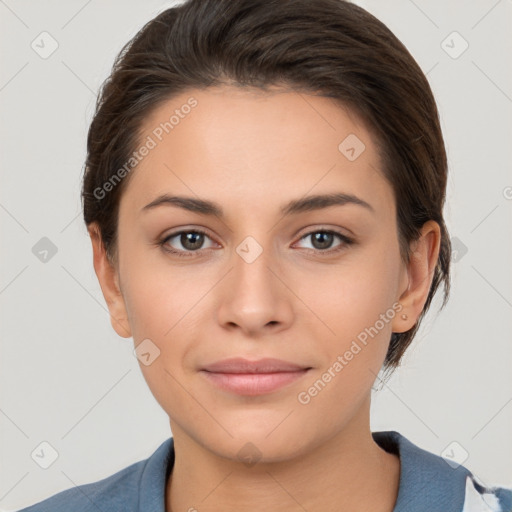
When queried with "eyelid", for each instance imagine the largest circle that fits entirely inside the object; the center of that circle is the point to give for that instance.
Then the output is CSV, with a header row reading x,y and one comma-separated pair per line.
x,y
345,240
313,228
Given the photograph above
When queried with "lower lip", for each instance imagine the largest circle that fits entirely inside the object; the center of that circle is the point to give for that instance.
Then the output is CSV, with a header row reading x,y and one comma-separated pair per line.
x,y
253,384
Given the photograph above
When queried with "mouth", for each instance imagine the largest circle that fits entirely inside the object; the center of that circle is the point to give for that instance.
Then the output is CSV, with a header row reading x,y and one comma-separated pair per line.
x,y
252,378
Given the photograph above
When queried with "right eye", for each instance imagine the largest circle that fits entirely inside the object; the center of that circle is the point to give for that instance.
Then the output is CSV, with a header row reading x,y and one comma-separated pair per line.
x,y
191,240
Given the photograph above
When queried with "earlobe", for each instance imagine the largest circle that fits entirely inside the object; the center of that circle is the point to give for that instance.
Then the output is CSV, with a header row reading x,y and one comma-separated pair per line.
x,y
109,283
420,272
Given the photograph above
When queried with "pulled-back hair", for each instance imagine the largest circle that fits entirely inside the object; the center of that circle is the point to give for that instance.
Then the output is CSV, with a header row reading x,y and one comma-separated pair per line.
x,y
329,48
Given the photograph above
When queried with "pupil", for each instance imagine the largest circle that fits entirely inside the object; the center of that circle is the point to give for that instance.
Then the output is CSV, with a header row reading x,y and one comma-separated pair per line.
x,y
190,240
322,240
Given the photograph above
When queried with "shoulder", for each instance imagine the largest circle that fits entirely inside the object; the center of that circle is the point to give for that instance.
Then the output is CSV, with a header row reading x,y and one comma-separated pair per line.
x,y
102,494
141,482
431,482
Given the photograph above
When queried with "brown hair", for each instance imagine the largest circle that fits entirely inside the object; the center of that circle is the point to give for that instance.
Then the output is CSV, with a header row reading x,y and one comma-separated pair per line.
x,y
331,48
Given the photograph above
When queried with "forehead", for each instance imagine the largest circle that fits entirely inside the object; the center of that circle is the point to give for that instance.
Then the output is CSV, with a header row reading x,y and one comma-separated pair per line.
x,y
255,145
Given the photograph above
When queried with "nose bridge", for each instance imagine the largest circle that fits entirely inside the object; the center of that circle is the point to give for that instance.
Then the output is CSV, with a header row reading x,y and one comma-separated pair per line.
x,y
251,262
252,296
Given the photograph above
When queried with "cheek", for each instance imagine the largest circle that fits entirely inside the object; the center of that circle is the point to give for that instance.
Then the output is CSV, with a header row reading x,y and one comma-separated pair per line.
x,y
146,306
160,308
351,296
356,303
157,294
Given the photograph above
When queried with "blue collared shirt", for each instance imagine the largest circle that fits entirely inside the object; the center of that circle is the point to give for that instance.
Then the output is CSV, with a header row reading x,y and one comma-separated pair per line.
x,y
428,483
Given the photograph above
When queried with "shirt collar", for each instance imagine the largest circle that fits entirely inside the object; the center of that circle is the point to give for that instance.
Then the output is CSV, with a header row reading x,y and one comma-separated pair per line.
x,y
427,481
154,478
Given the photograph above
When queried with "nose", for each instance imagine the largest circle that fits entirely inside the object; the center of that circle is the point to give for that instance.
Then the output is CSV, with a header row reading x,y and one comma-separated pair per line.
x,y
255,297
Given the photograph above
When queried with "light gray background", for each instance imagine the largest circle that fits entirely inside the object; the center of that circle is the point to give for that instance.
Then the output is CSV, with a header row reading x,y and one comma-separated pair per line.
x,y
68,379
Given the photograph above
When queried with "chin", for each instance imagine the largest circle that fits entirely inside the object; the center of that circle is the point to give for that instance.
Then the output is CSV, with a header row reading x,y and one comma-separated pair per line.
x,y
252,445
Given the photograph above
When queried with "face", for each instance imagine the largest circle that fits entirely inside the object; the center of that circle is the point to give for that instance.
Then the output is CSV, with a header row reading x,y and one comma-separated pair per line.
x,y
248,264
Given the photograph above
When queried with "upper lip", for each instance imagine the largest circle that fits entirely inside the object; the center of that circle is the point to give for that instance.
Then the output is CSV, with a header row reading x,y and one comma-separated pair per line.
x,y
241,365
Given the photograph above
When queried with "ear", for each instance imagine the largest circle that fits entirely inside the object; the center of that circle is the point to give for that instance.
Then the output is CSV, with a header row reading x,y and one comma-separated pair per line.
x,y
109,281
419,273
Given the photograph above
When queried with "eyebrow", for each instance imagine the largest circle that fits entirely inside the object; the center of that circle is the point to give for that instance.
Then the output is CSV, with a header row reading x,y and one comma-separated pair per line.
x,y
305,204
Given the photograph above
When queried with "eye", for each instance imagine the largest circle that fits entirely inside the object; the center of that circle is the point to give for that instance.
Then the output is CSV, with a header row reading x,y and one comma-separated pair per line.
x,y
322,240
190,241
193,241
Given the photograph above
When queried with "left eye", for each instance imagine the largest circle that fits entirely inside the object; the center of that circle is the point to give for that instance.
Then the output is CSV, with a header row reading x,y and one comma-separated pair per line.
x,y
323,240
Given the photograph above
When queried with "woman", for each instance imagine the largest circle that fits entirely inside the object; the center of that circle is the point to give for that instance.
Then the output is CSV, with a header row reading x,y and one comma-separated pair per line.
x,y
264,192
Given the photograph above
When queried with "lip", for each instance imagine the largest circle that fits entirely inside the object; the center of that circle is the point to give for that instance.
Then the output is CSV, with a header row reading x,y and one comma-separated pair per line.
x,y
251,378
241,365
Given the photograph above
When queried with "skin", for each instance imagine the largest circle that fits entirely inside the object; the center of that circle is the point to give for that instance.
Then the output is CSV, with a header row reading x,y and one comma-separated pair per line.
x,y
251,152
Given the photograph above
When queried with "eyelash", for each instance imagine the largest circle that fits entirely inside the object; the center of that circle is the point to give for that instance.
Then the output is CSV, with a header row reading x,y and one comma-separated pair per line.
x,y
346,241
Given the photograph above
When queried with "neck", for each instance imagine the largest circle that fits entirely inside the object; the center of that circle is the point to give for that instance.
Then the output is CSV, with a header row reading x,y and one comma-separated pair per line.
x,y
346,472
